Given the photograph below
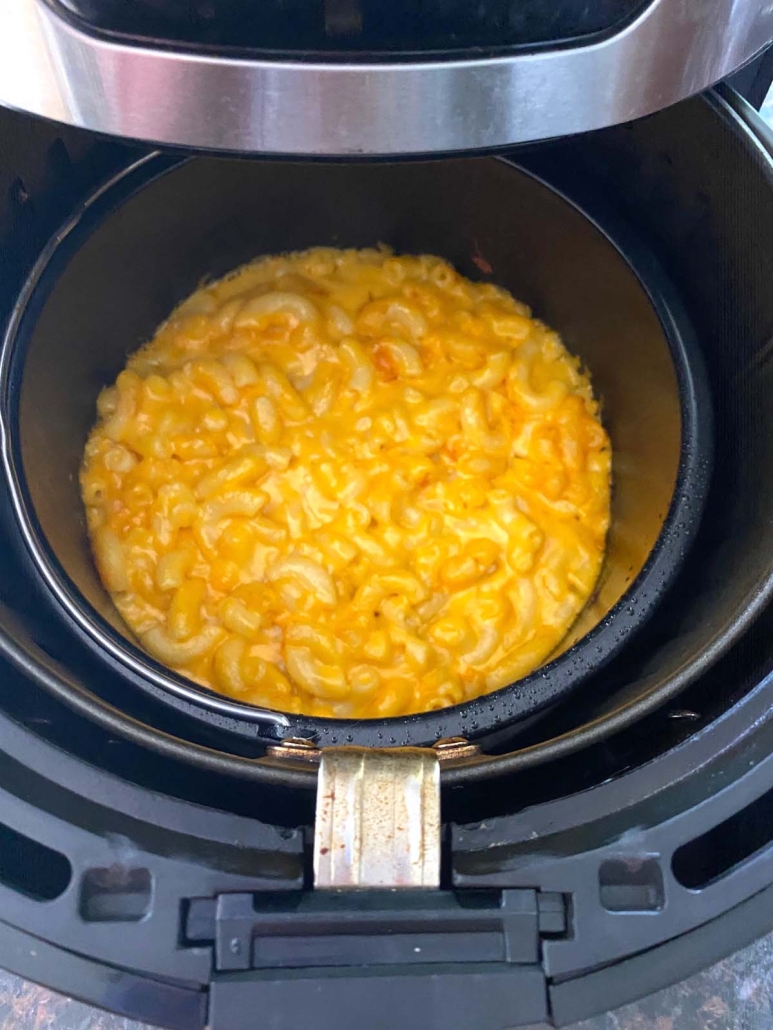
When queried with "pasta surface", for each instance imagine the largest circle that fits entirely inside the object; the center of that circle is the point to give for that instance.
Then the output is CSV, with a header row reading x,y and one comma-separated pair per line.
x,y
349,484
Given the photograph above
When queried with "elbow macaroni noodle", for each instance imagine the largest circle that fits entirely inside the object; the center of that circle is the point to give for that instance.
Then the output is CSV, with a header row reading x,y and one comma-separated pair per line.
x,y
349,484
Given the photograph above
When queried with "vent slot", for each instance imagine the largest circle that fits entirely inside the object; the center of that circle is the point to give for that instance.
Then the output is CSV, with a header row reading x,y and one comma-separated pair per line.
x,y
32,868
713,855
115,894
631,885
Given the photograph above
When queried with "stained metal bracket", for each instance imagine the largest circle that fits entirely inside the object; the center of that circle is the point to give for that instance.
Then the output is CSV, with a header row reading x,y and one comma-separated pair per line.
x,y
378,818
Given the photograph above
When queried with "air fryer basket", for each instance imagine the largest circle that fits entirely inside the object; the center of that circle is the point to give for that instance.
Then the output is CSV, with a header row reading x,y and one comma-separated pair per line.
x,y
693,188
146,241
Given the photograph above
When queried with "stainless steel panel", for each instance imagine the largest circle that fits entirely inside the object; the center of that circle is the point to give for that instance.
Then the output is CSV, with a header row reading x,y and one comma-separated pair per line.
x,y
674,49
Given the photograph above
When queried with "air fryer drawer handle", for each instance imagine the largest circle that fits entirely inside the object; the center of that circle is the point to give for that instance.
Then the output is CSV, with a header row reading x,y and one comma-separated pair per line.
x,y
479,995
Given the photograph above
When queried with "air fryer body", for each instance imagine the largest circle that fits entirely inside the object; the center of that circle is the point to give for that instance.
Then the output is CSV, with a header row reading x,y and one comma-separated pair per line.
x,y
139,847
159,864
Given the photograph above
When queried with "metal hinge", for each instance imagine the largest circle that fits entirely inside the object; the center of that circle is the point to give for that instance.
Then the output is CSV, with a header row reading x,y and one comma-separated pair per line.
x,y
377,822
378,818
375,928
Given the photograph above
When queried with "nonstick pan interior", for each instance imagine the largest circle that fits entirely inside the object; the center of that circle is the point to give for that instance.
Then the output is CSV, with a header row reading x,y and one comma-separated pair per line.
x,y
148,239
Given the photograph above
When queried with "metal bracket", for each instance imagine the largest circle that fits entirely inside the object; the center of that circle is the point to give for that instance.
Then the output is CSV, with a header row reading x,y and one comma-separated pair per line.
x,y
378,818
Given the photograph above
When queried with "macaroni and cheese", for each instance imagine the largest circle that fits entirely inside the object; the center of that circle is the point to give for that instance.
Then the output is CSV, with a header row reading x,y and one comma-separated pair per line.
x,y
349,484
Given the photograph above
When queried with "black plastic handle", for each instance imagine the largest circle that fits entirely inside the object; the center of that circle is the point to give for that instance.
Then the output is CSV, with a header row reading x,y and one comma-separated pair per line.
x,y
483,996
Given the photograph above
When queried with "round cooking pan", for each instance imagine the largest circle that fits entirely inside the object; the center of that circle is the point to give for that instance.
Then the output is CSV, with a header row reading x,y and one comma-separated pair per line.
x,y
147,239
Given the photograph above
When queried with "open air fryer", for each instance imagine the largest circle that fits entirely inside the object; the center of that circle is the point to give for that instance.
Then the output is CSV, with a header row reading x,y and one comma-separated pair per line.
x,y
596,830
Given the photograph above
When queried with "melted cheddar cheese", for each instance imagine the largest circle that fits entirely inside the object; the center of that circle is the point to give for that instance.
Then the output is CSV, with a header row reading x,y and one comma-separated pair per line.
x,y
349,484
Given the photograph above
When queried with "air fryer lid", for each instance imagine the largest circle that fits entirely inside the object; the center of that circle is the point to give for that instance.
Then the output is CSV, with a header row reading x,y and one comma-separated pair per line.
x,y
148,240
358,77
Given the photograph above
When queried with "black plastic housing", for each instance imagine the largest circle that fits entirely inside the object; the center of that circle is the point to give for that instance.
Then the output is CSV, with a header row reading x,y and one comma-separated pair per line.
x,y
644,802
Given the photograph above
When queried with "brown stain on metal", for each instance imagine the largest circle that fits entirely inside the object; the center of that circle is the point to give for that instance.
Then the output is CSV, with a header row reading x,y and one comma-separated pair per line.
x,y
385,819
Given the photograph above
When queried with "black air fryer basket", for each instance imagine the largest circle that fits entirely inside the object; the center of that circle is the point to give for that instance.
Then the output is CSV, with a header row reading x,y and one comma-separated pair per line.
x,y
157,862
142,244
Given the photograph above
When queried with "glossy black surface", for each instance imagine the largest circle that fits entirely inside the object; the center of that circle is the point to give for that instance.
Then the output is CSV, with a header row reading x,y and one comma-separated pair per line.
x,y
359,27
